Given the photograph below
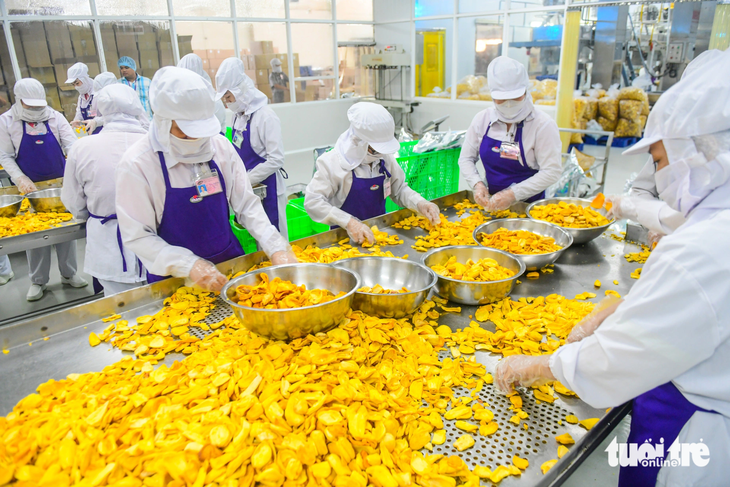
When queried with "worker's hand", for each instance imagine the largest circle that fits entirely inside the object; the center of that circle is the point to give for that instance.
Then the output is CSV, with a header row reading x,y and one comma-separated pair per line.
x,y
359,232
25,185
501,201
90,126
522,370
284,257
622,207
654,238
206,276
430,211
481,195
77,123
588,325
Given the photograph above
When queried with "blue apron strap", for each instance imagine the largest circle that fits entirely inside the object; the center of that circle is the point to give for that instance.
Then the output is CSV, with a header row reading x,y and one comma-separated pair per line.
x,y
518,136
164,170
104,220
383,168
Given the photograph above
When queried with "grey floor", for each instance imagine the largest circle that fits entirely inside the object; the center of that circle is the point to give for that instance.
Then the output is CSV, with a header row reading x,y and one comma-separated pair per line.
x,y
595,471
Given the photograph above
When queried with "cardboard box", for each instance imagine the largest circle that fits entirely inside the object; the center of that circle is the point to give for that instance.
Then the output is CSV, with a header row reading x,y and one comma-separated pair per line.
x,y
126,43
251,73
164,36
166,58
45,74
53,98
224,54
267,47
61,71
149,59
83,42
59,42
262,77
147,41
147,72
111,61
36,52
185,44
214,63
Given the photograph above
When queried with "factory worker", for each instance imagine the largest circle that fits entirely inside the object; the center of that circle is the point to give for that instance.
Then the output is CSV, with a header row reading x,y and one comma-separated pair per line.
x,y
33,138
667,346
353,180
194,63
89,189
174,188
256,137
519,146
78,75
278,81
139,83
101,81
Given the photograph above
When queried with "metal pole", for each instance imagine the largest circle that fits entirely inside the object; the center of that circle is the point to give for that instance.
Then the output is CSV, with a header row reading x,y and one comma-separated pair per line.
x,y
337,51
236,45
173,33
290,55
97,35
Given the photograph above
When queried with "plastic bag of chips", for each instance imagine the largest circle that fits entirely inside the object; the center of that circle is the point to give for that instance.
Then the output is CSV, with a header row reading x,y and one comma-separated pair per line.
x,y
628,128
608,108
630,109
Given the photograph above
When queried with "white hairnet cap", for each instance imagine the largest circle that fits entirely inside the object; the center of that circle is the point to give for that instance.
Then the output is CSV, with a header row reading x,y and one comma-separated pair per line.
x,y
507,78
275,62
31,92
181,95
374,124
699,104
104,79
229,76
77,71
119,98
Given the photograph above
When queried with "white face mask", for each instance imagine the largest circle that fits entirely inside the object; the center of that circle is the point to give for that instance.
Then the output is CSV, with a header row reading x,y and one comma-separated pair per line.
x,y
83,89
191,150
371,158
236,106
509,109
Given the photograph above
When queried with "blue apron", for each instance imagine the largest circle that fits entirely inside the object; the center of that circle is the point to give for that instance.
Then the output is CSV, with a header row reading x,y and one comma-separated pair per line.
x,y
251,159
502,172
85,112
366,198
40,156
202,227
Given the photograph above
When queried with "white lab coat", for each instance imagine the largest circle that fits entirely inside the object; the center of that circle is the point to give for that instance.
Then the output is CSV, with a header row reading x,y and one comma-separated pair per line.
x,y
140,202
652,212
220,114
330,186
267,142
673,326
11,133
89,186
540,140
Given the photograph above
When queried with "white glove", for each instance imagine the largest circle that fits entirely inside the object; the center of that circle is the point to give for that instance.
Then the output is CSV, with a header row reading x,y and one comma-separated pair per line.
x,y
522,370
90,126
359,232
206,276
481,195
654,238
622,207
284,257
501,201
77,123
25,185
588,325
430,211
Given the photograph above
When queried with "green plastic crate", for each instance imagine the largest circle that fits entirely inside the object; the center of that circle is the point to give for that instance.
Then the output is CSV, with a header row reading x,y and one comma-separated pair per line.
x,y
247,241
431,174
298,222
229,134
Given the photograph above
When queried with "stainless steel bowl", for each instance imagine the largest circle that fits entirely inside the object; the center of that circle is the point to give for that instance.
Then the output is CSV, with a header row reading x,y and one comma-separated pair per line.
x,y
46,200
10,205
545,229
471,292
580,235
286,324
390,273
519,207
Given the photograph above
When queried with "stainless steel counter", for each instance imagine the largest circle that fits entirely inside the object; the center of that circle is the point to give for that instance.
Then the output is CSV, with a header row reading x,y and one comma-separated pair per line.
x,y
70,230
67,349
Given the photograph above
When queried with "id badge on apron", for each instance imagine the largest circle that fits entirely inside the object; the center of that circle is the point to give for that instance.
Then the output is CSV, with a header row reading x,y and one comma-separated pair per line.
x,y
237,138
208,183
509,150
386,188
35,128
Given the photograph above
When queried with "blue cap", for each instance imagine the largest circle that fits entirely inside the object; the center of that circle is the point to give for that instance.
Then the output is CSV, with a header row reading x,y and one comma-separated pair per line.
x,y
127,61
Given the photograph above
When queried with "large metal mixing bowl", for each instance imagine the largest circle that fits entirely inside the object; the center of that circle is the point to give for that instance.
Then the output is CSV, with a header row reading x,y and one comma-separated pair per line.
x,y
545,229
580,235
286,324
46,200
471,292
393,274
10,205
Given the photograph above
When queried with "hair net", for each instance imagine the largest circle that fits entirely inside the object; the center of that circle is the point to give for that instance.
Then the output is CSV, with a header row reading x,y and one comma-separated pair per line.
x,y
121,108
127,61
104,79
232,77
507,78
181,95
80,71
194,63
370,124
31,92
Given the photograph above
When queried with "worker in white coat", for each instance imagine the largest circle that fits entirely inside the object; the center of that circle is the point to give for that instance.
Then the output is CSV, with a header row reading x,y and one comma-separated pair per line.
x,y
33,138
89,190
256,137
667,346
519,146
353,180
78,76
101,81
194,63
174,188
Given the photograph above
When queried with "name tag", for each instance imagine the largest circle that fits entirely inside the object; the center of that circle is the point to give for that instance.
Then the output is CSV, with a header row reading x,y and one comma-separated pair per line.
x,y
208,184
509,150
237,138
36,129
386,188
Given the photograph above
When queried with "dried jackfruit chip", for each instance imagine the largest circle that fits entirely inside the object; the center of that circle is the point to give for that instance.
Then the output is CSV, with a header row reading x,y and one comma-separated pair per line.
x,y
464,442
547,466
483,270
565,439
569,215
589,423
519,242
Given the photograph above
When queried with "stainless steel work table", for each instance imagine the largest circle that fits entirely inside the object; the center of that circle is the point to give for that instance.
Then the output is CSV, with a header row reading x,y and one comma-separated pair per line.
x,y
67,350
71,230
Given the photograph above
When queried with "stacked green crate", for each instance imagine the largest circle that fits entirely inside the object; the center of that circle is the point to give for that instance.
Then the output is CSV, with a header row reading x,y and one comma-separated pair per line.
x,y
298,222
247,241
